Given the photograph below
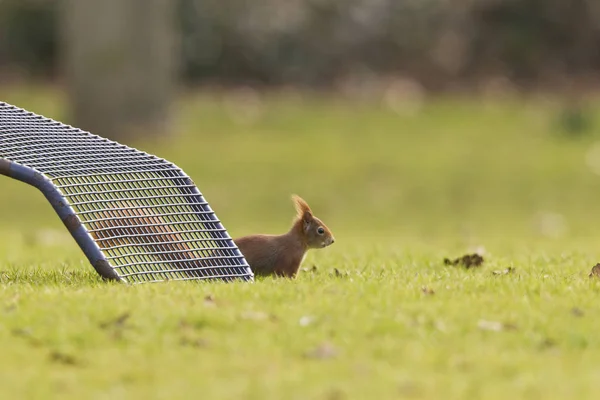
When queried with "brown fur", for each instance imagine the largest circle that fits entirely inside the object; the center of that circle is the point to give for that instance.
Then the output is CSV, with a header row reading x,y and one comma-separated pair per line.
x,y
131,223
281,255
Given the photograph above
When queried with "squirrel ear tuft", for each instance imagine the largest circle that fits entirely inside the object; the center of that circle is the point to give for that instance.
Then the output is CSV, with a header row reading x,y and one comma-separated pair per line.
x,y
302,208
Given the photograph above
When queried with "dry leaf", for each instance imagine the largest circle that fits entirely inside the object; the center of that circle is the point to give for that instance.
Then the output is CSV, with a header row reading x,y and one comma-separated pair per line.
x,y
547,343
427,291
306,320
495,326
336,394
339,274
25,332
577,312
323,351
467,261
209,301
63,358
312,269
197,342
506,271
118,322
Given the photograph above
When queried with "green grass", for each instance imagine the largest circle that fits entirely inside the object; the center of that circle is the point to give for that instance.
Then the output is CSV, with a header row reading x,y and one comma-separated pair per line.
x,y
401,191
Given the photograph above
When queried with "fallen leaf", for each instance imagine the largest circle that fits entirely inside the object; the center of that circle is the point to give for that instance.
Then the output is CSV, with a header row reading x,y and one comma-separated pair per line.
x,y
312,269
22,332
185,325
194,342
118,322
427,291
209,301
323,351
510,327
495,326
63,358
339,274
409,390
467,261
506,271
547,343
336,394
577,312
306,320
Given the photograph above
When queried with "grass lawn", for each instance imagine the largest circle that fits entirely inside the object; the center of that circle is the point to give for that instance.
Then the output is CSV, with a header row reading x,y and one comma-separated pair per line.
x,y
380,315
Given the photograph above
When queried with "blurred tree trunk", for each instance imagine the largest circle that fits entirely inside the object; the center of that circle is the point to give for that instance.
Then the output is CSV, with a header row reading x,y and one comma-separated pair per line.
x,y
118,60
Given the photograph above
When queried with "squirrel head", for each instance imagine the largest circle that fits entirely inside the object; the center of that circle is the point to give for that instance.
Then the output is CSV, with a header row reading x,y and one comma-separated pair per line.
x,y
316,234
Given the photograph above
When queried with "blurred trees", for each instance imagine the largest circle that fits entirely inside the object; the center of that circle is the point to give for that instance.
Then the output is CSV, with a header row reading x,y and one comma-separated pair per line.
x,y
28,35
118,58
439,43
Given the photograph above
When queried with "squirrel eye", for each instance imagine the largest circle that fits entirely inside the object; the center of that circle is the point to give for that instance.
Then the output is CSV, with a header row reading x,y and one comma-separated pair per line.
x,y
320,230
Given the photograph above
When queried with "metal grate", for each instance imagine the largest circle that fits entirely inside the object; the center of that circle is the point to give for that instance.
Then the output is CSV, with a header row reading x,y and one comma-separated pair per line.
x,y
137,217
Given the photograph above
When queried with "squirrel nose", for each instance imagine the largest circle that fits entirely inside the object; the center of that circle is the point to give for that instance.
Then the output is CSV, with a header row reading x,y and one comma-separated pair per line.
x,y
332,240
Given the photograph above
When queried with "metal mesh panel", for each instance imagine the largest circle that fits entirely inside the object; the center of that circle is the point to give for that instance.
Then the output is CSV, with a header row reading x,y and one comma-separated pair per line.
x,y
146,217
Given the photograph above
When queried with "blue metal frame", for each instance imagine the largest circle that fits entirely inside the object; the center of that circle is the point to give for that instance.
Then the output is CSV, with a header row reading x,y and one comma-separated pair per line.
x,y
65,213
20,134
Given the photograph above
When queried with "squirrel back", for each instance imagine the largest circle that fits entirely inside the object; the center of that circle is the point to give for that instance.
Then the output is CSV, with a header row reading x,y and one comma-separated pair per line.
x,y
282,255
132,226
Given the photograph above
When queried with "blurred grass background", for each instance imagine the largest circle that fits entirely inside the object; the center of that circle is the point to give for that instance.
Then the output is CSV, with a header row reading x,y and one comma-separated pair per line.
x,y
416,130
402,186
420,121
457,169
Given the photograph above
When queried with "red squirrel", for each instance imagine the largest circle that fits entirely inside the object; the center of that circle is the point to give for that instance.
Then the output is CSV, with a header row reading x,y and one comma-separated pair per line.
x,y
133,226
281,255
